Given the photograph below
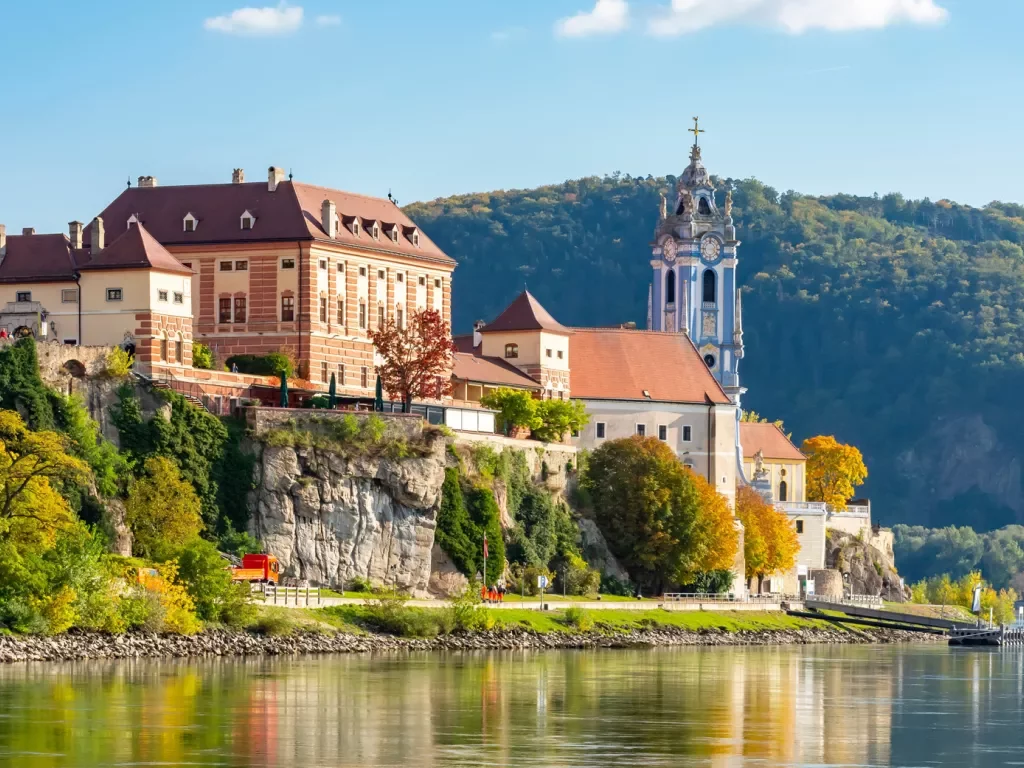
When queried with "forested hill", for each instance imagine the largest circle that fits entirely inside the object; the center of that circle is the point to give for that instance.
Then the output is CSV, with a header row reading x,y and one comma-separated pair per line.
x,y
893,324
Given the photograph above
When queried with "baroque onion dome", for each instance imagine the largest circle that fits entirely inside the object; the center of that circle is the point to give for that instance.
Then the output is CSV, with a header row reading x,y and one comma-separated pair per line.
x,y
695,175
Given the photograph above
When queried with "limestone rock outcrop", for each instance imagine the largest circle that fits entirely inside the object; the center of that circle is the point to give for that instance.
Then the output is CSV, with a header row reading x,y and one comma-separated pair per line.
x,y
865,570
329,518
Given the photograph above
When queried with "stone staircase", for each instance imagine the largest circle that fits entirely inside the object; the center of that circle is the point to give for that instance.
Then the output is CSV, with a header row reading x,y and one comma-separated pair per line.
x,y
185,390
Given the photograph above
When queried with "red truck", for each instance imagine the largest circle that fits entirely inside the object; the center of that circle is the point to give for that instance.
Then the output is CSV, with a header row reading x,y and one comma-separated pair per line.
x,y
257,568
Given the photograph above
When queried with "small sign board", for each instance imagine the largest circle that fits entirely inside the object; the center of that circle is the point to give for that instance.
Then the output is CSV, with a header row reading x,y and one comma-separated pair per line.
x,y
542,582
810,588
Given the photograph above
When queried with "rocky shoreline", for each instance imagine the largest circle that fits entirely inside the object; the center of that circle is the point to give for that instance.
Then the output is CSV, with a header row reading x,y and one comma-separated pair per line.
x,y
85,646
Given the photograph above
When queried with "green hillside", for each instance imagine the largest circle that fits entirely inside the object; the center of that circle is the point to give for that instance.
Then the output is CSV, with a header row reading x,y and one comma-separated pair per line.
x,y
893,324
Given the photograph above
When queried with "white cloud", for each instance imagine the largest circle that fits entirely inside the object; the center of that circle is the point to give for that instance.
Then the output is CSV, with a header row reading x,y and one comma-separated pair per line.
x,y
607,17
794,16
258,21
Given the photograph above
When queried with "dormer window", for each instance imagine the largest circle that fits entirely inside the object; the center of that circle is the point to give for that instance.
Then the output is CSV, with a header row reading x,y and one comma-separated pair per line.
x,y
416,238
133,219
355,227
248,220
190,222
511,350
337,226
375,232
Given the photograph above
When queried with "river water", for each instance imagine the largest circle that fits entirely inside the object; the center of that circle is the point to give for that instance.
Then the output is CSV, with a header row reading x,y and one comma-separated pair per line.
x,y
917,706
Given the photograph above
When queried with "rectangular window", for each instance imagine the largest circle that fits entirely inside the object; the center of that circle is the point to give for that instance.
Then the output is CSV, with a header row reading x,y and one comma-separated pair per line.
x,y
341,374
69,296
71,342
687,434
114,294
247,222
600,430
23,296
399,318
437,283
163,350
362,271
561,354
423,280
641,429
662,432
400,277
362,315
323,309
179,351
161,295
547,353
341,266
380,316
380,274
341,311
364,377
240,309
226,266
287,309
799,526
225,310
323,263
241,266
287,263
324,376
190,225
179,298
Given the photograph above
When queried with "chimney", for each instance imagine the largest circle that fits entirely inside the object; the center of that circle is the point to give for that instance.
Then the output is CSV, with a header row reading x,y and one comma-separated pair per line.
x,y
28,230
75,233
97,236
274,177
147,181
328,215
238,176
3,241
478,338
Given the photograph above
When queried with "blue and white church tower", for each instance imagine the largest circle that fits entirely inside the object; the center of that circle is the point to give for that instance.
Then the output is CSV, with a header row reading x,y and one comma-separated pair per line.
x,y
695,290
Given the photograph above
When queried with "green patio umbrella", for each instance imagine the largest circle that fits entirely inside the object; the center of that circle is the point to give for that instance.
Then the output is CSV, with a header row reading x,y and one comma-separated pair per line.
x,y
332,393
284,389
378,400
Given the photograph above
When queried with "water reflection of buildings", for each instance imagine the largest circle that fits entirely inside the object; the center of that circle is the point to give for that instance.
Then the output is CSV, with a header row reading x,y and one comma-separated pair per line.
x,y
720,707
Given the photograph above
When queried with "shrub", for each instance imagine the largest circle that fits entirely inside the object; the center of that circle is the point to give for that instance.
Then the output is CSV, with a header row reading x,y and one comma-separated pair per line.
x,y
464,611
612,585
359,584
579,578
389,613
273,364
119,363
202,356
273,623
238,543
524,579
579,619
206,577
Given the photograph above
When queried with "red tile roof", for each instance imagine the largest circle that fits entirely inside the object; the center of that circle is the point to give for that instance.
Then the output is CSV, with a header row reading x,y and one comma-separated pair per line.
x,y
619,364
40,258
291,212
470,365
525,313
770,440
136,249
490,370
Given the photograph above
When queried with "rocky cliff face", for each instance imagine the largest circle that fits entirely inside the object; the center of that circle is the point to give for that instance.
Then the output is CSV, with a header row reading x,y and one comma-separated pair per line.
x,y
865,570
329,518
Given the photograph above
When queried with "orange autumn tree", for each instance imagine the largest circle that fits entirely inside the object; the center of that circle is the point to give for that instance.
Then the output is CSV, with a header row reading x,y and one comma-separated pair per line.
x,y
834,470
770,542
716,537
416,358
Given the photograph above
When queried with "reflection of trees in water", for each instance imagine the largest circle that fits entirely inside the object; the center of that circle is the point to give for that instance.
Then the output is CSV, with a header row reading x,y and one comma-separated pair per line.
x,y
653,707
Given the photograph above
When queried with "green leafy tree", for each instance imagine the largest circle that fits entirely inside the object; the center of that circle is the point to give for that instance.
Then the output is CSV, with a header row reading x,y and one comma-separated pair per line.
x,y
649,508
559,418
517,407
202,356
162,510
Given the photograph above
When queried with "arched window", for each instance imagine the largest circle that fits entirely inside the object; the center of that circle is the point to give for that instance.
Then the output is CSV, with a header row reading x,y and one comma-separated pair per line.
x,y
511,350
670,287
783,491
710,292
703,207
681,209
179,349
163,347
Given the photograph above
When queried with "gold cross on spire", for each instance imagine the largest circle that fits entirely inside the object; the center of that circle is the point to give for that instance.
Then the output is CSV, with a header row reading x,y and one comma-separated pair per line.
x,y
696,130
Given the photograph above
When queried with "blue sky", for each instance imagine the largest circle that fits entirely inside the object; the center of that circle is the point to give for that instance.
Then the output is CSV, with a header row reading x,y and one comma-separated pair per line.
x,y
435,97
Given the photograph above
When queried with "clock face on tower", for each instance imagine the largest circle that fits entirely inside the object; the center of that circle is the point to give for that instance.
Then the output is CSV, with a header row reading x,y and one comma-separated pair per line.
x,y
710,248
669,249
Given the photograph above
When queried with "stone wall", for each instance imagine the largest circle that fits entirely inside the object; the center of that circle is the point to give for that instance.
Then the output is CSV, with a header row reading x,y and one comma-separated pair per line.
x,y
556,457
260,420
828,583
